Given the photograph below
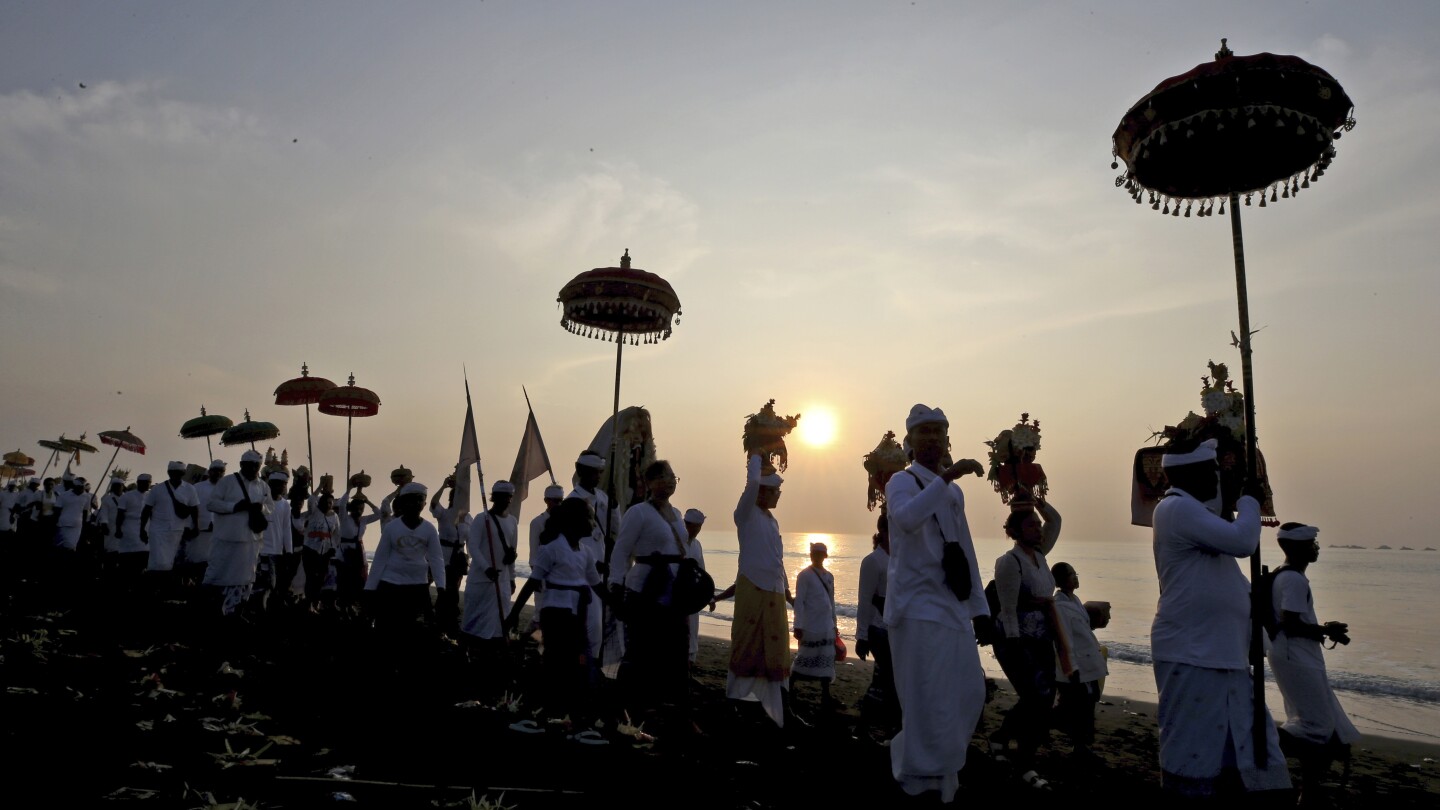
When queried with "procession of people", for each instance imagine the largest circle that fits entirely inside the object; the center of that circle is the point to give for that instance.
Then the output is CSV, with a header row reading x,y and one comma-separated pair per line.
x,y
259,548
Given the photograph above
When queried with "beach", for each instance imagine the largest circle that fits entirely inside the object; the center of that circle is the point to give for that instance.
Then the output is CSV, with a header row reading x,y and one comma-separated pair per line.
x,y
147,706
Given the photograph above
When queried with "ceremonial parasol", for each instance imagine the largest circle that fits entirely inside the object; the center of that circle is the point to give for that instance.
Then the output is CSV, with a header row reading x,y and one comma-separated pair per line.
x,y
349,401
56,447
249,432
18,459
619,303
207,425
303,390
1235,126
12,471
121,440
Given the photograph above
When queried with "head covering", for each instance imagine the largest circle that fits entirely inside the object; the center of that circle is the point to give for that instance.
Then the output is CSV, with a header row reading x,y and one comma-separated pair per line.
x,y
694,516
502,487
413,488
554,491
1205,452
35,481
175,466
820,547
771,480
252,456
278,475
114,481
217,463
143,477
1298,532
79,480
591,459
920,415
68,476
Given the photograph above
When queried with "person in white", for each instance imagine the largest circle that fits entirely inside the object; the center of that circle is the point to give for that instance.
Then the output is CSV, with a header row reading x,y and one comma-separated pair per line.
x,y
694,521
241,507
871,635
1079,667
105,519
407,558
75,505
815,625
353,521
9,500
605,633
132,541
276,541
400,476
554,494
1201,634
197,551
491,546
759,645
170,515
1315,722
566,566
447,520
933,597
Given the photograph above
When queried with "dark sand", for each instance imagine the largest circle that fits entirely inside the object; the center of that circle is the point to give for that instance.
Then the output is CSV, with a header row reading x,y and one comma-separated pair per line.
x,y
137,705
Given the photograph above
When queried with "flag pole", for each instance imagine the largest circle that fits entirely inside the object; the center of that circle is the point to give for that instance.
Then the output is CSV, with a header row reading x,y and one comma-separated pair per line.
x,y
543,451
479,468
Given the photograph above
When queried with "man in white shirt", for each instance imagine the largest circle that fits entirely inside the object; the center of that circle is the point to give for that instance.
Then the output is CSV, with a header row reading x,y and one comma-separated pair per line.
x,y
1201,636
493,536
447,519
171,514
196,552
880,706
933,597
132,541
554,494
74,504
605,634
276,541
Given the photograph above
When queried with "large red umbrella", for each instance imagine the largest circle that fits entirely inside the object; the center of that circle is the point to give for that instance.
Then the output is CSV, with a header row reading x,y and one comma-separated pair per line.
x,y
205,425
120,440
303,390
1239,125
619,303
349,401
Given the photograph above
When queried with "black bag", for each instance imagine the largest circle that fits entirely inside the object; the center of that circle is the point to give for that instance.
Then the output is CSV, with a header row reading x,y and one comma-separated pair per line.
x,y
693,589
257,520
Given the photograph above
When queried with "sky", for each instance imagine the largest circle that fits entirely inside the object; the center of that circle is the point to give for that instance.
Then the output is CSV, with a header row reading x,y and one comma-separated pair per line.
x,y
861,206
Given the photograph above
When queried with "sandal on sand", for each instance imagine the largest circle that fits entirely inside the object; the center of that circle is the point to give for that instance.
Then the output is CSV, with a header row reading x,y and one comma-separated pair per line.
x,y
526,727
590,737
997,752
1033,779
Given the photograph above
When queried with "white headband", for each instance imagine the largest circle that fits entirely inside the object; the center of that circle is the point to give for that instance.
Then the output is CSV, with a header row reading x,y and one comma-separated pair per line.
x,y
694,516
592,460
252,455
502,487
1301,532
554,491
920,415
1205,452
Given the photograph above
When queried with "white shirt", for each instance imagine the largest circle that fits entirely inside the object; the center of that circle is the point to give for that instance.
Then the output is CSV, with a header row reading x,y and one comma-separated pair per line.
x,y
1203,618
1085,652
74,507
132,503
643,532
162,510
558,564
762,555
489,536
231,514
1290,591
815,603
278,538
406,556
600,503
203,491
873,577
924,515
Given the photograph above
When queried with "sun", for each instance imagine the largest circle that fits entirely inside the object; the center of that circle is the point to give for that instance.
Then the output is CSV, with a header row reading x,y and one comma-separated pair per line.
x,y
818,427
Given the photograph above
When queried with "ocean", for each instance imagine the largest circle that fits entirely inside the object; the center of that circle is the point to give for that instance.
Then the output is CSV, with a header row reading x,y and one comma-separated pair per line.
x,y
1387,678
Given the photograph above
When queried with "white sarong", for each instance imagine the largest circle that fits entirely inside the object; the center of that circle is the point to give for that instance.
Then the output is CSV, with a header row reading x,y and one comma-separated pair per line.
x,y
1206,717
941,686
1312,711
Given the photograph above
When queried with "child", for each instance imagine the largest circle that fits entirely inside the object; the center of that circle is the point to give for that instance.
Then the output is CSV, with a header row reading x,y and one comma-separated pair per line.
x,y
1079,664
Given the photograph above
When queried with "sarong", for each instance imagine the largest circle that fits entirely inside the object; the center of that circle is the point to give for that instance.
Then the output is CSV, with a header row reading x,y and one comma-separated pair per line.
x,y
164,546
815,659
941,687
232,571
1206,716
1312,711
759,648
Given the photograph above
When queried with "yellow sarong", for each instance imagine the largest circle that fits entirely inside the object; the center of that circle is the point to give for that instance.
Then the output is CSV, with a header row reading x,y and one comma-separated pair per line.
x,y
759,639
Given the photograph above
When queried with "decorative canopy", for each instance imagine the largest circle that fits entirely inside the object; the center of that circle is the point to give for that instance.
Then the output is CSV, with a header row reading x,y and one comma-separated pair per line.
x,y
123,439
349,400
205,425
249,432
1239,124
18,459
78,445
51,444
607,302
302,390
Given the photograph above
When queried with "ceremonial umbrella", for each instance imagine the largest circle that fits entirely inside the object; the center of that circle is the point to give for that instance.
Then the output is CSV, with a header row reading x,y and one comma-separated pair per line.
x,y
207,425
121,440
1235,126
18,459
303,390
619,303
12,471
56,447
348,401
249,432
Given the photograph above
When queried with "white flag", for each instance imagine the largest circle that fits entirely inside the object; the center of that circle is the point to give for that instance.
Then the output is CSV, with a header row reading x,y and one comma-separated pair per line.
x,y
531,462
469,454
